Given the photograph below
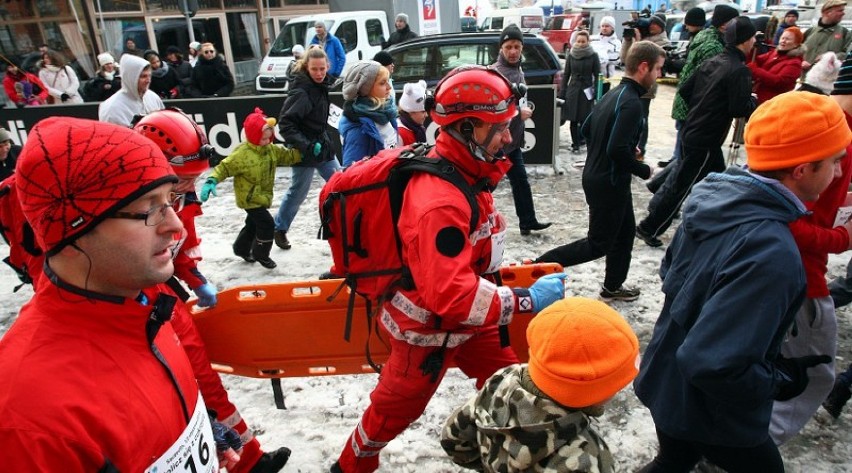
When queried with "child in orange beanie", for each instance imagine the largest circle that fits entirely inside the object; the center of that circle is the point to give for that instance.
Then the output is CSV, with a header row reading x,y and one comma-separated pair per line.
x,y
582,352
252,165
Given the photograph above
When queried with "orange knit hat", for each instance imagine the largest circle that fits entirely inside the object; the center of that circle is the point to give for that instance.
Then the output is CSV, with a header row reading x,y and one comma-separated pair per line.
x,y
795,128
582,352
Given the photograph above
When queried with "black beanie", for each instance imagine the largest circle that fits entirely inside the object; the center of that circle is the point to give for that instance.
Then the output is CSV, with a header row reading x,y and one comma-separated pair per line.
x,y
793,12
723,14
739,30
511,32
383,58
843,83
695,17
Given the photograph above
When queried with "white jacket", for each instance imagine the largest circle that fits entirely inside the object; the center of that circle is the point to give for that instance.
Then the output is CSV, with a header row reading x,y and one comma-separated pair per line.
x,y
126,103
61,81
609,52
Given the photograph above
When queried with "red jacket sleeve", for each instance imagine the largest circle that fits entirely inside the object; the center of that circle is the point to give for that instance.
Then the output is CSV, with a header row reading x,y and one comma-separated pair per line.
x,y
186,261
785,76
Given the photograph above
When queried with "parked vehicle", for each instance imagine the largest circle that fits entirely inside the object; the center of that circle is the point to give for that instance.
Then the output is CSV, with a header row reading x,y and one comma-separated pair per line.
x,y
528,19
468,24
558,30
431,57
361,34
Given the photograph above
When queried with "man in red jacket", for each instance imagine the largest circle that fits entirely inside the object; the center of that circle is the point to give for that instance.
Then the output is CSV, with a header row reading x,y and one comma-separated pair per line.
x,y
122,396
453,311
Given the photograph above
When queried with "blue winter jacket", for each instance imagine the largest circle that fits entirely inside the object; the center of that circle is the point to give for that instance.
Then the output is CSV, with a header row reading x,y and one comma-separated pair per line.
x,y
336,54
360,139
733,281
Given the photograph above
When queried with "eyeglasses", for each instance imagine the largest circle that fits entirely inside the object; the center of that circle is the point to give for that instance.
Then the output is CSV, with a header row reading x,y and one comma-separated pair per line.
x,y
208,51
155,215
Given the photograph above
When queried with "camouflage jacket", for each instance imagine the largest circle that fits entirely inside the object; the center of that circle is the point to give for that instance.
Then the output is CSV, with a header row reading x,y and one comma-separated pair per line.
x,y
508,428
706,44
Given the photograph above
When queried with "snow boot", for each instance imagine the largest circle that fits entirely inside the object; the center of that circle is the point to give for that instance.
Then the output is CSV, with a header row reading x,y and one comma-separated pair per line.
x,y
260,251
837,398
272,462
242,245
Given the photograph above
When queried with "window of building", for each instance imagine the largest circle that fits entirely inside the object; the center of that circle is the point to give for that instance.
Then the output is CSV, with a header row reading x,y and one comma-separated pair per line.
x,y
245,44
118,6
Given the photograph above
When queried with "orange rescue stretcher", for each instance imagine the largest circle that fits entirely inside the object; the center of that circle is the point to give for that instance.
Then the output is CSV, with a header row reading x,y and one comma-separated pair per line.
x,y
291,329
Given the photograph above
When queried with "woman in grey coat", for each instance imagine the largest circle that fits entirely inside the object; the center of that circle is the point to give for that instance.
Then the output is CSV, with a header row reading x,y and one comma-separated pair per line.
x,y
578,86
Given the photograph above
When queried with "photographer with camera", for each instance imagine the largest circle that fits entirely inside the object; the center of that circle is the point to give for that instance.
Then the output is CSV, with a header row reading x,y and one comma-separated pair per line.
x,y
693,23
651,29
776,71
706,44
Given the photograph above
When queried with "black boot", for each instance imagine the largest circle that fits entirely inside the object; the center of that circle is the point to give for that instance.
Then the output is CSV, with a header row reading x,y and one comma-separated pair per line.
x,y
525,230
336,468
242,245
260,250
837,398
281,240
271,462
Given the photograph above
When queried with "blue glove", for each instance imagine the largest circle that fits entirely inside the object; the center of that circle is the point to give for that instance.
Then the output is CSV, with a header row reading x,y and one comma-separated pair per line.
x,y
225,437
208,188
316,149
206,295
547,290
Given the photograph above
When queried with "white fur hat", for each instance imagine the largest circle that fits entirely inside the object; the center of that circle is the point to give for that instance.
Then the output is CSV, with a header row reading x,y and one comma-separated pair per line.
x,y
105,58
298,49
413,97
195,45
608,20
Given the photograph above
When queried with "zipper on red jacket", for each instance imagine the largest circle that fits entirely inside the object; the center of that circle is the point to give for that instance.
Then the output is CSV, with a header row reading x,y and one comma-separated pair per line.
x,y
162,312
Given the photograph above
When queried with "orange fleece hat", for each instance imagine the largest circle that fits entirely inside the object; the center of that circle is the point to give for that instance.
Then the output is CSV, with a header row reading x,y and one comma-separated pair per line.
x,y
795,128
582,352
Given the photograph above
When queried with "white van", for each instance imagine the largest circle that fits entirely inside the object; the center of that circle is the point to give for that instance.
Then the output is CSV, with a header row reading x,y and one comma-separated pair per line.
x,y
360,32
528,19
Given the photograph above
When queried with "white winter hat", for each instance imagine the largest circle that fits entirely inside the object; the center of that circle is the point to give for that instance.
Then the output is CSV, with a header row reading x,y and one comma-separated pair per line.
x,y
105,58
608,20
298,49
413,97
195,45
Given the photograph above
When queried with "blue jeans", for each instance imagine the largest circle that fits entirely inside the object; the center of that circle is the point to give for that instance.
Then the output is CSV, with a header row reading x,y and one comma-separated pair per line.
x,y
298,191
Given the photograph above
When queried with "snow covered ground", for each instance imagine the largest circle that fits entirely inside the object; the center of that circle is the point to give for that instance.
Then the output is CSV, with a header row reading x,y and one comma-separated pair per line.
x,y
323,410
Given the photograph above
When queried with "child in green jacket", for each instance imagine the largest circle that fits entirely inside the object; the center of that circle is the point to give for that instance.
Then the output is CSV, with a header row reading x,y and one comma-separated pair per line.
x,y
252,165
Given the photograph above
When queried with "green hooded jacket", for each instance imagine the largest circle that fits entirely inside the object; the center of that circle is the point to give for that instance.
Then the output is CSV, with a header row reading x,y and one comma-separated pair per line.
x,y
706,44
253,170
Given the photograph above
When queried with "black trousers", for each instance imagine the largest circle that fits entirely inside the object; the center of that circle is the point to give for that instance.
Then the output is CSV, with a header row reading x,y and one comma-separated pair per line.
x,y
259,226
521,191
696,164
680,456
611,234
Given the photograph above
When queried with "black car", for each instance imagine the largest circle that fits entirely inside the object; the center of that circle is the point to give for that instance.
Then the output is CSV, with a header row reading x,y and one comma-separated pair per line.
x,y
431,57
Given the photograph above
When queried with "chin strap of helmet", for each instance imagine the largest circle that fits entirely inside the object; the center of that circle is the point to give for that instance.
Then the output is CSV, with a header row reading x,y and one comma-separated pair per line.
x,y
476,149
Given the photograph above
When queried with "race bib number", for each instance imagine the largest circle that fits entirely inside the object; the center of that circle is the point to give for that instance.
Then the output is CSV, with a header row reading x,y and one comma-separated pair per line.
x,y
334,114
498,243
194,451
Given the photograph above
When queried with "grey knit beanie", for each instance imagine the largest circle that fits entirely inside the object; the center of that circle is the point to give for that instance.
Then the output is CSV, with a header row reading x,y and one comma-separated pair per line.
x,y
359,79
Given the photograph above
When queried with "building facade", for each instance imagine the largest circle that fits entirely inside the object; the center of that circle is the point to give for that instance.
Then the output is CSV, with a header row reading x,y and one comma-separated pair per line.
x,y
240,29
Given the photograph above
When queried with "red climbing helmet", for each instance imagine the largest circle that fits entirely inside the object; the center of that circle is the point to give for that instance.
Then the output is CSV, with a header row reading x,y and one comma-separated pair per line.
x,y
475,92
179,137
